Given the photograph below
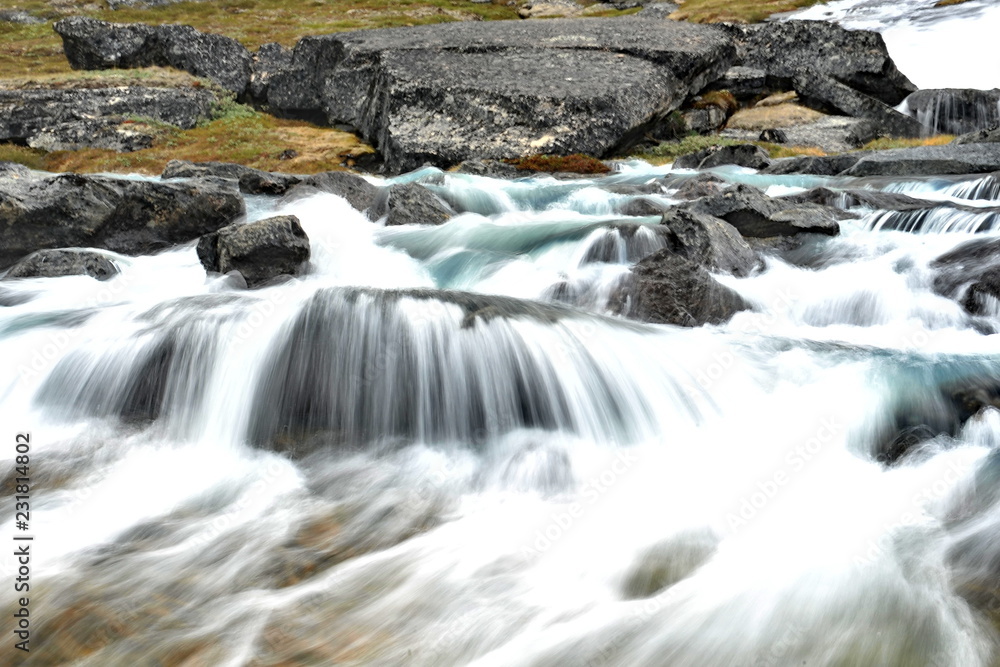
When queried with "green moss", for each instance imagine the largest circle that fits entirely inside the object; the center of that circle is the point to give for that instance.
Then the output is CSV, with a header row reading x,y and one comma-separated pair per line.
x,y
577,163
668,151
29,157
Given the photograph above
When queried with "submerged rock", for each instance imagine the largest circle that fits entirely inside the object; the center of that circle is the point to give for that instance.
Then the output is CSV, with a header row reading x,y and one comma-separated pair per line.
x,y
709,242
666,288
451,92
665,563
92,44
64,262
970,274
260,251
127,216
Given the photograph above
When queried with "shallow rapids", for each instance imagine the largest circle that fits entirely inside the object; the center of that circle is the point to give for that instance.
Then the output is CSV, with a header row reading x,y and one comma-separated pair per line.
x,y
439,447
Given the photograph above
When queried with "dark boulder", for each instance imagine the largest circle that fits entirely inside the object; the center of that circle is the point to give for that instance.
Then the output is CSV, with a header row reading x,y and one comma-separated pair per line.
x,y
409,204
25,114
774,135
252,181
754,214
929,161
446,93
92,44
130,217
856,58
110,133
709,242
955,110
357,191
990,135
665,288
267,61
970,274
260,251
64,262
743,155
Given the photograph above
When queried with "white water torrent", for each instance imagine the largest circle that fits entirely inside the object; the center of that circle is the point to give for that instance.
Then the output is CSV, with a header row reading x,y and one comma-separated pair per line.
x,y
936,47
437,448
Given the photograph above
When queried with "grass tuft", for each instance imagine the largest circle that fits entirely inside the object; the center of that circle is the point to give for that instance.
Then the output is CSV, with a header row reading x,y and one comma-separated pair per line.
x,y
737,11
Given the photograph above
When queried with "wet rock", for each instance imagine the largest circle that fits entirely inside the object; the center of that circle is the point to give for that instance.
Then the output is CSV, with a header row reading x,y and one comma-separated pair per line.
x,y
702,185
110,133
665,288
929,161
856,58
68,113
970,274
409,204
955,110
357,191
446,93
130,217
267,60
754,214
64,262
92,44
743,155
260,251
252,181
709,242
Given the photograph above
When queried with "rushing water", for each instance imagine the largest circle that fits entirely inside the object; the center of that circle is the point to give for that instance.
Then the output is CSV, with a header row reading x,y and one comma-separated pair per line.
x,y
501,473
936,47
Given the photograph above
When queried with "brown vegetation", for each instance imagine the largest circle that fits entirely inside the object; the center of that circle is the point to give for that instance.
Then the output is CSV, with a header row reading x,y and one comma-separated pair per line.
x,y
576,164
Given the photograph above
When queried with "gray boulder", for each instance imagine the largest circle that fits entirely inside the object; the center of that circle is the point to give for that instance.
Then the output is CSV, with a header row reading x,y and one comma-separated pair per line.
x,y
260,251
499,89
829,165
93,44
108,132
968,273
666,288
64,262
743,155
252,181
267,61
409,204
756,215
130,217
929,161
856,58
709,242
990,135
25,114
955,110
357,191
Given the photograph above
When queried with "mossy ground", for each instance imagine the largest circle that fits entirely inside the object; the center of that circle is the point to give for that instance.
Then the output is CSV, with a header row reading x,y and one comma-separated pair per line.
x,y
668,151
740,11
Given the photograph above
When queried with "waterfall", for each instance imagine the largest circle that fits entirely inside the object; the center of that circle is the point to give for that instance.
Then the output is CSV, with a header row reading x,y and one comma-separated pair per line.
x,y
438,447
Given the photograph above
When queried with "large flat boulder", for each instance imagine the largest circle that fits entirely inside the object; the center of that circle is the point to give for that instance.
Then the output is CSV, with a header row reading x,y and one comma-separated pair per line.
x,y
929,161
446,93
27,113
92,44
127,216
